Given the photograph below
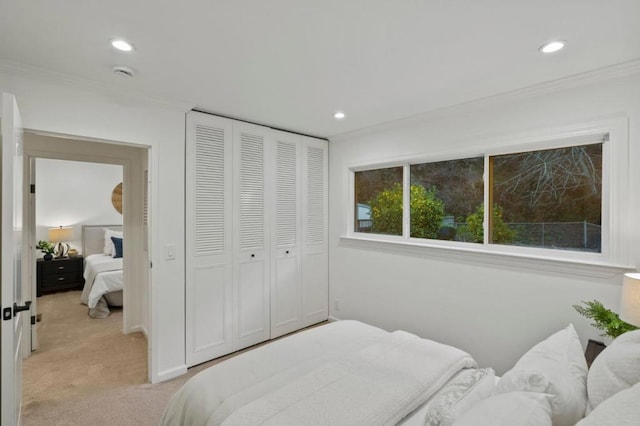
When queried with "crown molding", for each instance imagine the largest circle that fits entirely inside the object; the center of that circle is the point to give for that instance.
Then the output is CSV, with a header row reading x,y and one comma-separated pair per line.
x,y
63,79
621,70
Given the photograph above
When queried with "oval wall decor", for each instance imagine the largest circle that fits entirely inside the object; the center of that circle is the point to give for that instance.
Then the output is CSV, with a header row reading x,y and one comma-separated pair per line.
x,y
116,198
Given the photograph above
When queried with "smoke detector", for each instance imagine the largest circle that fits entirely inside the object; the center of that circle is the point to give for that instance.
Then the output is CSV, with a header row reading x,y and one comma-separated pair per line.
x,y
123,71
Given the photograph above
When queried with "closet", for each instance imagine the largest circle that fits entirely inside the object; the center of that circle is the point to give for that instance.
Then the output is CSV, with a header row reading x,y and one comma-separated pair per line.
x,y
256,234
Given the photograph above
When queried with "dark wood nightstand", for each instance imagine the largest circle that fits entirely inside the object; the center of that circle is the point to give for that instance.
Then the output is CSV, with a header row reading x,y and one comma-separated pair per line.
x,y
593,350
59,275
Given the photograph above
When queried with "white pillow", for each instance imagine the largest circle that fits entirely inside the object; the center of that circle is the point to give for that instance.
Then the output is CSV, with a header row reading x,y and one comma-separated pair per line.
x,y
555,366
615,369
461,393
509,409
622,409
108,244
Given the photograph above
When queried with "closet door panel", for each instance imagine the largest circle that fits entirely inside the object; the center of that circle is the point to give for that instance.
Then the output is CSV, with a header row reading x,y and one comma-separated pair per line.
x,y
315,289
251,262
315,275
209,295
285,314
208,310
286,294
252,302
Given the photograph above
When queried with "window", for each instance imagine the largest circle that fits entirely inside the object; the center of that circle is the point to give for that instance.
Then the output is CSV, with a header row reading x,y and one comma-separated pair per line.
x,y
537,199
548,199
378,196
444,195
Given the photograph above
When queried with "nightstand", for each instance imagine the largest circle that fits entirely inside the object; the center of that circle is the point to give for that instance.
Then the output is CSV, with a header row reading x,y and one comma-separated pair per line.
x,y
593,350
59,275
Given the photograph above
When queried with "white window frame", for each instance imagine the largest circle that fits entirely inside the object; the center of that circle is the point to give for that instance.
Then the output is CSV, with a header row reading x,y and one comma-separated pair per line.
x,y
613,258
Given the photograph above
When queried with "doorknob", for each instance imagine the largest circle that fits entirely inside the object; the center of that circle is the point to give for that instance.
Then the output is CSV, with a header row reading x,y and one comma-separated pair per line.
x,y
25,307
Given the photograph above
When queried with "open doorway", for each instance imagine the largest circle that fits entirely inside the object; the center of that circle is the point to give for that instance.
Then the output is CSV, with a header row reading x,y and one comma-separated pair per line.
x,y
78,215
80,185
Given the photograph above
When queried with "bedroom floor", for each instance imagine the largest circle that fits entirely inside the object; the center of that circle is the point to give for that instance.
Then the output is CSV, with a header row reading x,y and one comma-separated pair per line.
x,y
79,357
87,372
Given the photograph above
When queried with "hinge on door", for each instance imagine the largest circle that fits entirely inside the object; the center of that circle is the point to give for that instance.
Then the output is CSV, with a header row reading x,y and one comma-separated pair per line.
x,y
33,188
33,320
7,314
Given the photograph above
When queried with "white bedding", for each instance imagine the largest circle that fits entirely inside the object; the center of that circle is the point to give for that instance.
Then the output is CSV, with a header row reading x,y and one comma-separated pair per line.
x,y
346,372
102,274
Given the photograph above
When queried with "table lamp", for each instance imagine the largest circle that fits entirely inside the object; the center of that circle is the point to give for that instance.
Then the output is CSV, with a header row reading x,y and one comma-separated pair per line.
x,y
630,300
59,236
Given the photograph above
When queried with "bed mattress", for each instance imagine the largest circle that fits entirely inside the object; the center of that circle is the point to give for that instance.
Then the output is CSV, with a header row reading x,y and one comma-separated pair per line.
x,y
340,373
103,275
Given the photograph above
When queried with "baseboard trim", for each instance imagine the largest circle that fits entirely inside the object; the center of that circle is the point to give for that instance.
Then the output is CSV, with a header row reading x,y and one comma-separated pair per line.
x,y
332,318
140,328
171,374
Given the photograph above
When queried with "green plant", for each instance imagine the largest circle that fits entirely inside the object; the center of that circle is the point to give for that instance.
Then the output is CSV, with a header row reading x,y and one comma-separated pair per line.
x,y
500,231
604,319
426,212
45,246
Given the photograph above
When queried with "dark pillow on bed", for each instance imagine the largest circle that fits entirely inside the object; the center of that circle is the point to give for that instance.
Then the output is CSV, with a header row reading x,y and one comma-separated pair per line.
x,y
117,244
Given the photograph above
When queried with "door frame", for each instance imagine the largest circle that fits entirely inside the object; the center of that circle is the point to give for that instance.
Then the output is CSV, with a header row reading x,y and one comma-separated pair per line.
x,y
133,222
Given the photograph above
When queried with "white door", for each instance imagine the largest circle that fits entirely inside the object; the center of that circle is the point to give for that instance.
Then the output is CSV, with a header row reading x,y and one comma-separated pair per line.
x,y
209,278
10,251
315,246
251,216
286,295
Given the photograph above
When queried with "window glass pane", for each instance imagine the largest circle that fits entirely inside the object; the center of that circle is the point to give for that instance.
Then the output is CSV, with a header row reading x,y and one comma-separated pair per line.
x,y
378,206
550,199
446,200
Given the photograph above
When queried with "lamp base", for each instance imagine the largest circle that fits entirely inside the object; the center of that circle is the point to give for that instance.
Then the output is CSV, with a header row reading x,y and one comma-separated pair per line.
x,y
61,250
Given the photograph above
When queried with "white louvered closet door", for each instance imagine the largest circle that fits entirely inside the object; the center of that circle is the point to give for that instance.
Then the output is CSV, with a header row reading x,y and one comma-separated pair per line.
x,y
315,247
286,294
251,219
209,331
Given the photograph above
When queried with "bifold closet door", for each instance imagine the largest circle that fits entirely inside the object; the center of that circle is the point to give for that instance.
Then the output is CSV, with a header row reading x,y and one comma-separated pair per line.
x,y
286,288
251,237
315,247
209,278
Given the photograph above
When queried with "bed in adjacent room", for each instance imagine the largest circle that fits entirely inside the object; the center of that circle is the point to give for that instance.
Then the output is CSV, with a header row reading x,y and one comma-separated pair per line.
x,y
103,268
350,373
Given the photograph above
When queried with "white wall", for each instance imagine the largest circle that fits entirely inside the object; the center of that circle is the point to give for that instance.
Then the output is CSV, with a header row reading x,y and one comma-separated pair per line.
x,y
66,108
74,193
494,312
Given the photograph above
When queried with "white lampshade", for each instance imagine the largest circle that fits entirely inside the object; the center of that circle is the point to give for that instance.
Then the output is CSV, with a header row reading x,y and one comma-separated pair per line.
x,y
61,234
630,301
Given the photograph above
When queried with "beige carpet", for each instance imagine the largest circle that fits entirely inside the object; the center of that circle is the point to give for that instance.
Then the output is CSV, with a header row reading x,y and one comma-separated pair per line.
x,y
79,357
87,372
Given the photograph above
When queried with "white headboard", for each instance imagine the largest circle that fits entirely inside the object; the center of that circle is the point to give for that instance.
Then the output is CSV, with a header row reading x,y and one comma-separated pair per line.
x,y
93,238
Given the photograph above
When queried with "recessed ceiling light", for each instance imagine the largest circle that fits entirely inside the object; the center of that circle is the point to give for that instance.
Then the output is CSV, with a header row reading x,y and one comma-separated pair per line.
x,y
552,46
339,115
123,45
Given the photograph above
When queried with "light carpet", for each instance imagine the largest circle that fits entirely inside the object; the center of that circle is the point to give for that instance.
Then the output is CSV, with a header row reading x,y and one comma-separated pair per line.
x,y
87,372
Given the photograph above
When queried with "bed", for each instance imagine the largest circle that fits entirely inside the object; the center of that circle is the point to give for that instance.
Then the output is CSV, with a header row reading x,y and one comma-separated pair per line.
x,y
103,274
366,375
350,373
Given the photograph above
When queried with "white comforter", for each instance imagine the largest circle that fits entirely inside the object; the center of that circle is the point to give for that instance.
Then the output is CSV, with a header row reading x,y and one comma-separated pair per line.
x,y
102,275
344,373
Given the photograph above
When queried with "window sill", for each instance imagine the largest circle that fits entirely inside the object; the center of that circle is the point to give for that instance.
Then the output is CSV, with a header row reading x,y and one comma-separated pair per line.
x,y
487,257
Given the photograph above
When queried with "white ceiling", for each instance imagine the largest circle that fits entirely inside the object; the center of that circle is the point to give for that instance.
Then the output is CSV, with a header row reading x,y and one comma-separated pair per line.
x,y
293,63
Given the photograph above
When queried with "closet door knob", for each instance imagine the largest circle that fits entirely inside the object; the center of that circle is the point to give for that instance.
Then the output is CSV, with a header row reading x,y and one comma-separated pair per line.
x,y
253,255
286,252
